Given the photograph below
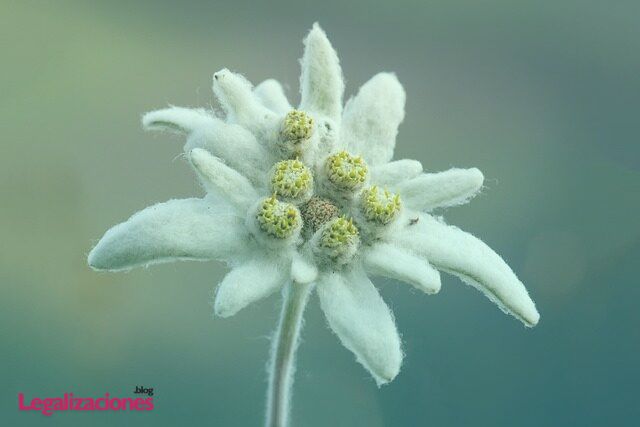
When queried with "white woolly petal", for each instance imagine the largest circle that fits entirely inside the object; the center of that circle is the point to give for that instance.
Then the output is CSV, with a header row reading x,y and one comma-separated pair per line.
x,y
175,230
395,172
236,146
321,83
436,190
224,180
371,119
249,282
271,95
303,270
177,119
242,106
387,260
452,250
363,322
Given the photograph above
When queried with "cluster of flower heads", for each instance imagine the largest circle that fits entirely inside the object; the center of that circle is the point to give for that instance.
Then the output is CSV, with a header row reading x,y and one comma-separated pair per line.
x,y
341,177
312,196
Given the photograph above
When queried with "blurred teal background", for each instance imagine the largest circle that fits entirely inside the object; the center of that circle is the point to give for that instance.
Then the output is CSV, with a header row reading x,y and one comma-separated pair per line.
x,y
543,97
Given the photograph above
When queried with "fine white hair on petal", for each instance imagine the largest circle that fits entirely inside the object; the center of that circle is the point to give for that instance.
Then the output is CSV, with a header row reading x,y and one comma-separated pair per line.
x,y
242,106
459,253
271,95
251,281
321,82
236,146
303,270
443,189
184,229
177,119
371,119
393,173
223,180
362,321
387,260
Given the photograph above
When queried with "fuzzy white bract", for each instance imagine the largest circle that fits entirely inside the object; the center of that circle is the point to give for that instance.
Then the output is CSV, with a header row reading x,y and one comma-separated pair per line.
x,y
312,196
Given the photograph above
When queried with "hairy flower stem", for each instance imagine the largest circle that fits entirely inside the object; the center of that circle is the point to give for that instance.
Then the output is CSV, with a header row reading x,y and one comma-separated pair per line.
x,y
285,343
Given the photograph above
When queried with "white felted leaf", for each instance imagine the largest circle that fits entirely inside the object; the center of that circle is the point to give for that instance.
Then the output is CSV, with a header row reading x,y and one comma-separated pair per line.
x,y
363,322
321,83
384,259
371,119
223,180
177,119
242,106
443,189
271,95
456,252
236,146
251,281
303,270
186,229
393,173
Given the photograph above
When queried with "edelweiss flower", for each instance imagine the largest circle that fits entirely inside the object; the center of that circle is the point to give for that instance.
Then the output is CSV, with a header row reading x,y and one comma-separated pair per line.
x,y
309,198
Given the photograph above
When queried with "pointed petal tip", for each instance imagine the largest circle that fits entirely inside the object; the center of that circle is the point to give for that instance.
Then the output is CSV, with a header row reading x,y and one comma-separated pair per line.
x,y
150,119
390,78
220,74
223,312
317,38
197,155
532,319
177,120
198,158
434,288
316,30
223,306
477,176
390,372
99,260
386,368
227,84
94,261
303,270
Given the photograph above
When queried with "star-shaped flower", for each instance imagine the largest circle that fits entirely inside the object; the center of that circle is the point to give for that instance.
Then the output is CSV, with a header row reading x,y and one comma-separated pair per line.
x,y
311,197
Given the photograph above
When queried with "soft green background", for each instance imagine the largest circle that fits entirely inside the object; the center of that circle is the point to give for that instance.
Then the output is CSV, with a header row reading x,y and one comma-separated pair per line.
x,y
542,96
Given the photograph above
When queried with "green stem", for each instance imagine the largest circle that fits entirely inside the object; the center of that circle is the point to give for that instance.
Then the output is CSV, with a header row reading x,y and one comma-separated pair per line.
x,y
285,343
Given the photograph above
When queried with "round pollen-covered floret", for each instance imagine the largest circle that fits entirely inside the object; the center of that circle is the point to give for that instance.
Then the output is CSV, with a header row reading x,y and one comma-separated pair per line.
x,y
278,219
339,235
380,205
345,171
292,180
297,126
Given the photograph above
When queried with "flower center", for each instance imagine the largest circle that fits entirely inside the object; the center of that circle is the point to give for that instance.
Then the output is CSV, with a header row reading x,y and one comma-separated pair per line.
x,y
292,180
278,219
345,171
316,212
380,206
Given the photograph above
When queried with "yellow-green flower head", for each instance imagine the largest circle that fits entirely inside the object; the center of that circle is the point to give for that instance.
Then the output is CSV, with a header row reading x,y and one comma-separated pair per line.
x,y
345,171
292,180
380,205
297,126
278,219
339,238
